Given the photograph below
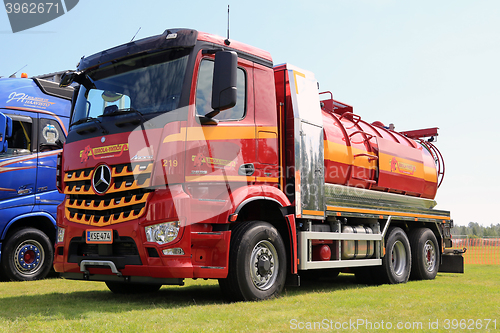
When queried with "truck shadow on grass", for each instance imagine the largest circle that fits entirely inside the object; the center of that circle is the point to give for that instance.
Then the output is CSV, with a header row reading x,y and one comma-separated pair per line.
x,y
75,305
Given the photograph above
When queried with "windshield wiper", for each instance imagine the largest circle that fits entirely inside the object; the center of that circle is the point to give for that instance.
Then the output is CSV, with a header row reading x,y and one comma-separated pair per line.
x,y
83,120
94,120
124,111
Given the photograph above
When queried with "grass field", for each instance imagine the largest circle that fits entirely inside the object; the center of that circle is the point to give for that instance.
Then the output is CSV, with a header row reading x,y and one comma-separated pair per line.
x,y
57,305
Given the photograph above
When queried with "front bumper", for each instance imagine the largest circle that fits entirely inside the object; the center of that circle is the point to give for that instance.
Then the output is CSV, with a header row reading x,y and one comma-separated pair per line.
x,y
132,258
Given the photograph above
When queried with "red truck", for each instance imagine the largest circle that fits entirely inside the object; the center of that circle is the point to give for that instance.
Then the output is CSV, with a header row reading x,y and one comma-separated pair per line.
x,y
192,156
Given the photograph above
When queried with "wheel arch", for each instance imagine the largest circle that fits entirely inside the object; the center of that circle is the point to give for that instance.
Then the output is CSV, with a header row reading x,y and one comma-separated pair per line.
x,y
40,220
409,226
273,211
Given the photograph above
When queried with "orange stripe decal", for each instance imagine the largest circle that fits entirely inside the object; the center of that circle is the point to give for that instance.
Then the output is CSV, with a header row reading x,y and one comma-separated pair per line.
x,y
44,112
268,179
313,212
217,133
377,212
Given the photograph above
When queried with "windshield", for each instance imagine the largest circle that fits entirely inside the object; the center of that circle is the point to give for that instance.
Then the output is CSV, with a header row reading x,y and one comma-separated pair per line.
x,y
149,84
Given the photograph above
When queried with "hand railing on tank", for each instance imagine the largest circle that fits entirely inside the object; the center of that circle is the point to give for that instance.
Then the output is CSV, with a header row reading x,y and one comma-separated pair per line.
x,y
420,135
438,159
368,136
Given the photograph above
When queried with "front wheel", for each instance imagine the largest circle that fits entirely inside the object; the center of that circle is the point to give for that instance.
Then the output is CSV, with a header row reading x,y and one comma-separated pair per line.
x,y
396,264
257,263
27,255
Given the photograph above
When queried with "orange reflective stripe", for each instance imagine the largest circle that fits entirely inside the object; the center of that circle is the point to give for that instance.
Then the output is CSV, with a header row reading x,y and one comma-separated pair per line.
x,y
392,213
313,212
217,133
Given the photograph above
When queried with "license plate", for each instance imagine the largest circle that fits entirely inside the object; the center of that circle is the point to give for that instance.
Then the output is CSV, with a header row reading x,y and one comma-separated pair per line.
x,y
99,236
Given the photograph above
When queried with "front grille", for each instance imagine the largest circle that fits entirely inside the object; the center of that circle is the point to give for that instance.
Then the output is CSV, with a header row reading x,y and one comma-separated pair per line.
x,y
125,199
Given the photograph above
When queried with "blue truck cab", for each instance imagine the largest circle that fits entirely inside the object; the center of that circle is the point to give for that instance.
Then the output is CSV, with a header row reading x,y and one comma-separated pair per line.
x,y
34,118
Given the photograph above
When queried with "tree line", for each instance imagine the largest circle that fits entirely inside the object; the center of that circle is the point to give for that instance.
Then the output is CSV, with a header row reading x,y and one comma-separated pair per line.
x,y
474,229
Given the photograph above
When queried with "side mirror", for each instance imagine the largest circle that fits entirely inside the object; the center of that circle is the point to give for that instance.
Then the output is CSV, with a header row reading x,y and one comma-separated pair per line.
x,y
224,81
71,76
67,78
5,131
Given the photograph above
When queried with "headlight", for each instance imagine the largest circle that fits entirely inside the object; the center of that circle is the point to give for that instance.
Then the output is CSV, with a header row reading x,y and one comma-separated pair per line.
x,y
162,233
60,234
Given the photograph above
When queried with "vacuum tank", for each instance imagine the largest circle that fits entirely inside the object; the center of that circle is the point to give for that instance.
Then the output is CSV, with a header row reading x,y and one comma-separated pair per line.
x,y
372,156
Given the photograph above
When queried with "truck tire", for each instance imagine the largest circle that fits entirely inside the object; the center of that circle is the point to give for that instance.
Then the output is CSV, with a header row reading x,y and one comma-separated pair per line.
x,y
257,263
27,255
396,264
425,254
129,288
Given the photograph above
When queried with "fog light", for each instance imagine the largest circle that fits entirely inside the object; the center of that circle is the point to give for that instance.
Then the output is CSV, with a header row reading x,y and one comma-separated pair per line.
x,y
60,234
162,233
173,252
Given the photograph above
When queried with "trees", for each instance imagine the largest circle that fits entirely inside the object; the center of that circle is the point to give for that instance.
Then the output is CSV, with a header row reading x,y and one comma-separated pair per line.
x,y
476,230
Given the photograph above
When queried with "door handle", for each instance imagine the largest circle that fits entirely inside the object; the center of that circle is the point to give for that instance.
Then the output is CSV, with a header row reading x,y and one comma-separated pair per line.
x,y
246,169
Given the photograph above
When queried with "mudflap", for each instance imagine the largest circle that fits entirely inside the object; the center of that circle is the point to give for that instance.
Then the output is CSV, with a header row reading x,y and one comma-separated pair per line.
x,y
292,280
452,263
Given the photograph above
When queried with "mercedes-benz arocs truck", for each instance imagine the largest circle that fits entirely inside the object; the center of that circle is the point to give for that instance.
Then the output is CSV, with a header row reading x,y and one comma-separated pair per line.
x,y
193,156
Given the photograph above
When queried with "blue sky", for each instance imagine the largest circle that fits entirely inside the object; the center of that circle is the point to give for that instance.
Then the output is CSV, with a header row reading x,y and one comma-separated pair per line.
x,y
416,64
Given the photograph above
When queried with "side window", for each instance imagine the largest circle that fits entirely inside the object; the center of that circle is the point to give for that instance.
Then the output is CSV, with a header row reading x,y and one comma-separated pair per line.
x,y
20,143
204,93
51,135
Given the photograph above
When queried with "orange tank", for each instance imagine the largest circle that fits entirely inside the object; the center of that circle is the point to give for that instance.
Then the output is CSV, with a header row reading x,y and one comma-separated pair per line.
x,y
372,156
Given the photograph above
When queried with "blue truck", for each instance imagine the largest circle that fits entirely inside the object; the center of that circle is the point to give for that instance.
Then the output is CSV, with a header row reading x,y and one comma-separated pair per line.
x,y
34,118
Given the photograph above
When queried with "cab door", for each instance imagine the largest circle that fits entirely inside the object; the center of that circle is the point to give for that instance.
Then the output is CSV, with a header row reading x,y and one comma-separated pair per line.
x,y
222,152
18,164
220,157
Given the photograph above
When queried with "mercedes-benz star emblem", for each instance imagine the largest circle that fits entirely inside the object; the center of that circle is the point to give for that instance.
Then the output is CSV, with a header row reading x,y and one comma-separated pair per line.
x,y
101,180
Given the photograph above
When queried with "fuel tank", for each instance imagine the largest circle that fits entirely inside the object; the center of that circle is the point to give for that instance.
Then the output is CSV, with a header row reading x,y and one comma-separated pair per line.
x,y
372,156
361,249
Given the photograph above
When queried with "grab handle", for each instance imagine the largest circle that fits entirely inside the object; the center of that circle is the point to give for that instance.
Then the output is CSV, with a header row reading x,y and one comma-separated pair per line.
x,y
370,157
354,117
368,136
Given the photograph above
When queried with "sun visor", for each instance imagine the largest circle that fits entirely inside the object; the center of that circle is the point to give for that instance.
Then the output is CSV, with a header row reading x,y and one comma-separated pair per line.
x,y
173,38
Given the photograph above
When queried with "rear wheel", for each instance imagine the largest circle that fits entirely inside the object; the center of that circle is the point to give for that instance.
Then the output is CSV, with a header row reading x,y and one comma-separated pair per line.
x,y
27,255
425,254
396,264
132,288
257,263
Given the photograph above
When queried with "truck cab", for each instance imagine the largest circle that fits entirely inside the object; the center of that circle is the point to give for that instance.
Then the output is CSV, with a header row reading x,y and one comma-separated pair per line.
x,y
34,117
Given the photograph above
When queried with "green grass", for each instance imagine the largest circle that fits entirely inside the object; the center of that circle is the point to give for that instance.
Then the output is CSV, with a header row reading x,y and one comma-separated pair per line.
x,y
57,305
